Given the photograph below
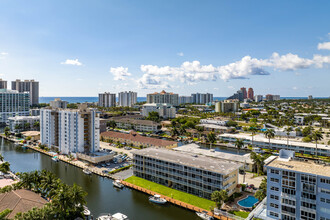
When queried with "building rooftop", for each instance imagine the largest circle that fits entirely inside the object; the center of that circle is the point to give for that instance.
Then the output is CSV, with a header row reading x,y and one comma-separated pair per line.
x,y
196,149
136,121
24,117
133,136
301,166
191,160
213,126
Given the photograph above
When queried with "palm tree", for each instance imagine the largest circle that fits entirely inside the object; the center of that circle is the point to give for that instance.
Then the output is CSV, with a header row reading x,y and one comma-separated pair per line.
x,y
1,158
253,132
316,136
288,130
269,133
239,144
36,125
7,131
5,167
258,160
219,197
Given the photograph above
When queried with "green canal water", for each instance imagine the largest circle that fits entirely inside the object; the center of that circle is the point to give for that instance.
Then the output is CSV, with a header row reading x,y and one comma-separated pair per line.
x,y
102,196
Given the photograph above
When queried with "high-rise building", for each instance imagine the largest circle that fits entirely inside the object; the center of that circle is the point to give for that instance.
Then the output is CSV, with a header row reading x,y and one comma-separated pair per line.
x,y
310,97
127,98
107,99
258,98
297,188
70,130
3,84
227,106
250,94
243,89
239,95
13,103
270,97
30,86
202,98
185,99
164,110
58,103
163,97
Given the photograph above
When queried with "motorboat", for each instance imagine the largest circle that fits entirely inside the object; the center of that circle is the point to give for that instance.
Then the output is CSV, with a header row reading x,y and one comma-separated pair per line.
x,y
55,159
117,184
86,211
204,215
157,199
87,171
117,216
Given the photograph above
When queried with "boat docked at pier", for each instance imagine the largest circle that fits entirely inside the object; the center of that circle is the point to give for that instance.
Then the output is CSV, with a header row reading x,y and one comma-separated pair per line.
x,y
204,215
55,159
117,216
117,184
157,199
87,171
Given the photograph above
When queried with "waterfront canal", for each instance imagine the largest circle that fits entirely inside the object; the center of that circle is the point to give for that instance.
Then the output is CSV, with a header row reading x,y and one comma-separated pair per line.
x,y
102,196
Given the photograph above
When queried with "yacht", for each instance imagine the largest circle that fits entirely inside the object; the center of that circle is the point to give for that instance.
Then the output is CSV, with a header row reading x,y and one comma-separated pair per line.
x,y
157,199
86,211
204,215
117,216
118,184
55,159
87,171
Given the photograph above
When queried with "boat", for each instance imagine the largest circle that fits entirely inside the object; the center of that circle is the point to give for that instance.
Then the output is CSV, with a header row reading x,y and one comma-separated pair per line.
x,y
204,215
157,199
86,211
117,184
117,216
87,171
55,159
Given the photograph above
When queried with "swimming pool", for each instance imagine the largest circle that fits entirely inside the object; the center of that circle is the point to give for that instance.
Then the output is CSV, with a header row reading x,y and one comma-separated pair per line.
x,y
248,201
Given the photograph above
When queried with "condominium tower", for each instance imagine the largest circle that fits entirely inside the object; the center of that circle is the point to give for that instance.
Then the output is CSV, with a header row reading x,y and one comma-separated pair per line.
x,y
30,86
297,188
250,94
70,130
243,89
58,103
107,99
3,84
13,103
163,97
227,106
195,174
127,98
200,98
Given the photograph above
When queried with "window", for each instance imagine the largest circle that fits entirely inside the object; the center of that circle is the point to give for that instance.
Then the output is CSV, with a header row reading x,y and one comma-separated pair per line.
x,y
274,205
323,180
274,171
274,197
308,205
274,188
275,180
325,200
289,191
307,215
273,214
289,202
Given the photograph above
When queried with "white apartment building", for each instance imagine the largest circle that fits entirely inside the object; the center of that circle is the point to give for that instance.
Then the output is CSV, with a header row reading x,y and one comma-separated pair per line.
x,y
297,188
70,130
58,103
164,110
202,98
22,121
163,97
185,99
212,121
13,103
107,99
127,98
258,98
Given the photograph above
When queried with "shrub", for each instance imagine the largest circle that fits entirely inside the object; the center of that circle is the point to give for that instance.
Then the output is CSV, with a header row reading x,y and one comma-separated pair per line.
x,y
307,139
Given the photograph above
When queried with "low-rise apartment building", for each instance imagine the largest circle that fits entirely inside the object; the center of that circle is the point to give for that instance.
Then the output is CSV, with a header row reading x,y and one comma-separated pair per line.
x,y
23,123
137,140
194,174
138,125
297,189
163,110
276,144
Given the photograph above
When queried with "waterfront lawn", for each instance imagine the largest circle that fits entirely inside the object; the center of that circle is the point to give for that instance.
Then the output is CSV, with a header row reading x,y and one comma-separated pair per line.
x,y
240,213
173,193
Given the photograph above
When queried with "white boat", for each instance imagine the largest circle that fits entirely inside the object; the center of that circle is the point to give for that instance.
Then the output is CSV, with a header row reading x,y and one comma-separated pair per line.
x,y
157,199
117,216
204,215
55,159
86,211
87,171
118,184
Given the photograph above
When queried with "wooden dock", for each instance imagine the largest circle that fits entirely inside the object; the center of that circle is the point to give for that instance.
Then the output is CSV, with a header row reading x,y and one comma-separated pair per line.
x,y
175,202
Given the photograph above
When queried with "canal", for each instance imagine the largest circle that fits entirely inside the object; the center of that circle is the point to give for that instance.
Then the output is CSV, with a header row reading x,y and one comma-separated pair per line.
x,y
102,196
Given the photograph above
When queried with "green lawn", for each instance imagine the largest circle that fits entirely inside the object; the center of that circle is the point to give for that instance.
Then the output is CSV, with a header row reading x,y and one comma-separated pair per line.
x,y
240,213
176,194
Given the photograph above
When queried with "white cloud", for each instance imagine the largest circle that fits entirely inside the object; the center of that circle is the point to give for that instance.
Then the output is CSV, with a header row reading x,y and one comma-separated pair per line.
x,y
119,73
72,62
295,88
324,46
3,54
181,54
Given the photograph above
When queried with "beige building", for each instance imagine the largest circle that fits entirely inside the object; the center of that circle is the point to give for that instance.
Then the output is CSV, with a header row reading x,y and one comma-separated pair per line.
x,y
107,99
30,86
195,174
227,106
137,125
58,103
3,84
163,97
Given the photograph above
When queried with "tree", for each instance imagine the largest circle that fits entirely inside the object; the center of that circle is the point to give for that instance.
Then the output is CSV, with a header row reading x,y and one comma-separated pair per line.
x,y
258,161
231,123
211,137
7,131
253,131
1,158
182,130
18,127
219,197
316,136
27,126
112,124
288,130
4,213
153,116
239,144
36,125
307,131
269,133
5,167
262,191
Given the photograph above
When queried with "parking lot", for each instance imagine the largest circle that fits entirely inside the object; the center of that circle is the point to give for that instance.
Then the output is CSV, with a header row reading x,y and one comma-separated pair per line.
x,y
105,145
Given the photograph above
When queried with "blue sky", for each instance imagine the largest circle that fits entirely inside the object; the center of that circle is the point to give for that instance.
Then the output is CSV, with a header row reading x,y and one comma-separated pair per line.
x,y
80,48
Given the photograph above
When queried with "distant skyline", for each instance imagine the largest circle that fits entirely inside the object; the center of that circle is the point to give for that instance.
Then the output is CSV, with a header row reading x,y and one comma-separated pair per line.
x,y
81,48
